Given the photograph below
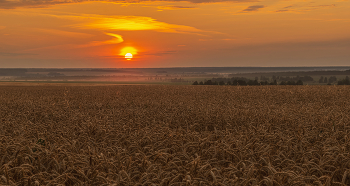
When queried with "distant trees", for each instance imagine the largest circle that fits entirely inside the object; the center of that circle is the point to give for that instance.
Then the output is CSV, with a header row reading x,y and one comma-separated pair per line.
x,y
13,72
55,74
296,78
345,81
299,82
246,82
263,78
177,80
321,79
333,79
239,82
209,82
330,80
274,80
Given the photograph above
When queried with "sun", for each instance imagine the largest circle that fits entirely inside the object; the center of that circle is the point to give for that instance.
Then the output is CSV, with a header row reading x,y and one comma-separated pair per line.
x,y
128,52
128,56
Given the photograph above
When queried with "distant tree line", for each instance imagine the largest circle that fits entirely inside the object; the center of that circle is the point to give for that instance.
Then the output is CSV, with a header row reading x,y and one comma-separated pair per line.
x,y
55,74
177,80
244,82
264,79
345,81
12,72
333,79
241,81
330,80
297,78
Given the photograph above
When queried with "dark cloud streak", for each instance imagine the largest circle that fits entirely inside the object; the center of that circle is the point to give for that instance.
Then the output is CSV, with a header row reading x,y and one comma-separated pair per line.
x,y
10,54
175,7
303,8
5,4
253,8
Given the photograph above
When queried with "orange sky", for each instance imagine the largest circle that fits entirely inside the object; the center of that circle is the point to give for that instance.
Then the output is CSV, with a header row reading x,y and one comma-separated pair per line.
x,y
65,33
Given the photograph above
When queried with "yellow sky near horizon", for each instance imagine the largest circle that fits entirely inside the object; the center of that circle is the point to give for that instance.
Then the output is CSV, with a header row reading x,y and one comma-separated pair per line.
x,y
174,33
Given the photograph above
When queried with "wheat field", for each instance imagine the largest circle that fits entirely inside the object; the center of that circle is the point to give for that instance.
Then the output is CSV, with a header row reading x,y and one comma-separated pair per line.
x,y
174,135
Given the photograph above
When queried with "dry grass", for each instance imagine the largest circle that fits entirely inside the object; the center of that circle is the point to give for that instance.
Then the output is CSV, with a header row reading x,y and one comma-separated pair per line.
x,y
174,135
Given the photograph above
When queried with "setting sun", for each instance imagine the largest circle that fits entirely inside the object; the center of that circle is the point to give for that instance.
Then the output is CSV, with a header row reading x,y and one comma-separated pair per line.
x,y
128,52
128,56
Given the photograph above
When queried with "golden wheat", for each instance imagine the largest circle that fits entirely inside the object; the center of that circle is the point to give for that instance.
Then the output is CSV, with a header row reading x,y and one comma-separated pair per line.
x,y
174,135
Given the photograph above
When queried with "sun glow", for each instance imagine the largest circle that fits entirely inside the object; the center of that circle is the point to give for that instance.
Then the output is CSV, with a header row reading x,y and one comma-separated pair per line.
x,y
128,52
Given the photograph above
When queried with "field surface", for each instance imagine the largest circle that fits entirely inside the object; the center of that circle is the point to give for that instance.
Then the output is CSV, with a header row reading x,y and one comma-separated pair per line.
x,y
174,135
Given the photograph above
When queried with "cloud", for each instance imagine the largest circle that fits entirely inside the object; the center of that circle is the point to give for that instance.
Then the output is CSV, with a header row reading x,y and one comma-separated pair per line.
x,y
282,10
12,4
253,8
334,44
127,23
133,23
2,27
301,8
320,6
117,39
174,7
61,33
161,53
12,54
287,7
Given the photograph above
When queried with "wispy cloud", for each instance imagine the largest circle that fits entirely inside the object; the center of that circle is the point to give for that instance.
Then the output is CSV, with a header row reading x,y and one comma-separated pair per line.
x,y
161,53
133,23
253,8
11,4
117,39
14,54
63,33
304,8
320,6
174,7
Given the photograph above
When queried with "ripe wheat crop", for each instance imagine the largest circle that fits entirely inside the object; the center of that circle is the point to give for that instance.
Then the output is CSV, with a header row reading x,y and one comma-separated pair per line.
x,y
174,135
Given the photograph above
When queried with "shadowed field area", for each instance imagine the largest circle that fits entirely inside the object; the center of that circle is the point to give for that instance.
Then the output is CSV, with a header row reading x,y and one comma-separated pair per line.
x,y
174,135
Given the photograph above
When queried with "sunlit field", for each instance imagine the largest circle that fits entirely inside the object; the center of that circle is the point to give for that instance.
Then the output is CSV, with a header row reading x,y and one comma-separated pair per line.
x,y
174,135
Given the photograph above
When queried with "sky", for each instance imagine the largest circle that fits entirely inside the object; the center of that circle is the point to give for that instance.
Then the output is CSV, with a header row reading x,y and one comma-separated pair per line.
x,y
192,33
